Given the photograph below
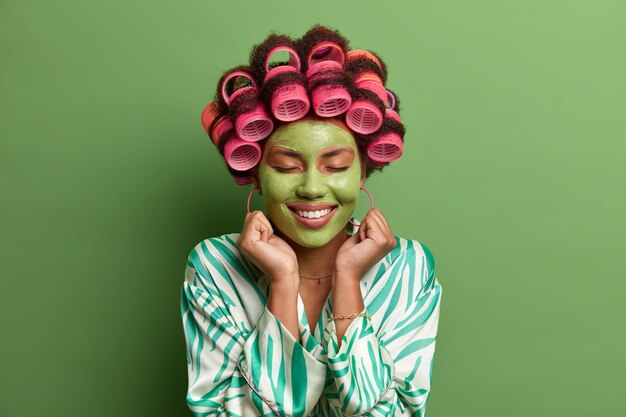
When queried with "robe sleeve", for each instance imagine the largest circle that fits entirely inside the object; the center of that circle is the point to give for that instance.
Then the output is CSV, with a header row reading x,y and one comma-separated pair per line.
x,y
384,366
262,371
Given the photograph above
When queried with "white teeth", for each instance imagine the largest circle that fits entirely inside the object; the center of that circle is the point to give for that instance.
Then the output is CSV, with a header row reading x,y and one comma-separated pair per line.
x,y
313,214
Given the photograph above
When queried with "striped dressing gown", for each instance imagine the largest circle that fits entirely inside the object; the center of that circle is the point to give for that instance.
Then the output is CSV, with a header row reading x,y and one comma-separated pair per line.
x,y
242,361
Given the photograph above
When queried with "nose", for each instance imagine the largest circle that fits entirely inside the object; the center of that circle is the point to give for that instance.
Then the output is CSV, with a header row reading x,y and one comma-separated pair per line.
x,y
313,185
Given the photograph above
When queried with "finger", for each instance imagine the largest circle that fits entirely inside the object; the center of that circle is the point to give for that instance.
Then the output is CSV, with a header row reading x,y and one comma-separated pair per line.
x,y
246,221
382,218
353,239
260,229
243,235
391,239
375,227
371,229
255,230
258,214
362,231
389,236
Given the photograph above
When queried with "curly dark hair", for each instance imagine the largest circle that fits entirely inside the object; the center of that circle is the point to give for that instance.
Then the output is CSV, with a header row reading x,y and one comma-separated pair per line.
x,y
264,81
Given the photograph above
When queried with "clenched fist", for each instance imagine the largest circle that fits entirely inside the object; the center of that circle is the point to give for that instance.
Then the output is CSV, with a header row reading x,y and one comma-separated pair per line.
x,y
266,250
363,249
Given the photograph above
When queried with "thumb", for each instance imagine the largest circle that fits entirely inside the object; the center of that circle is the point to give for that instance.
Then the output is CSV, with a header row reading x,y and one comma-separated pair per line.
x,y
352,240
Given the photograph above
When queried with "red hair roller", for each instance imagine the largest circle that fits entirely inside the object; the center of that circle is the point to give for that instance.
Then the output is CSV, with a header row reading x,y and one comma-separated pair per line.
x,y
208,116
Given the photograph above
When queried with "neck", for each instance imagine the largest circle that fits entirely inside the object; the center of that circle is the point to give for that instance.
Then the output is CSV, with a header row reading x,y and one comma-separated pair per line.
x,y
317,262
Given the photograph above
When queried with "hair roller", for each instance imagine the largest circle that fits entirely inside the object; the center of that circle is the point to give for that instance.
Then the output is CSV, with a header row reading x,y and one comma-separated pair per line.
x,y
288,79
239,154
361,57
365,115
240,93
220,126
387,143
320,44
209,115
392,106
324,56
283,84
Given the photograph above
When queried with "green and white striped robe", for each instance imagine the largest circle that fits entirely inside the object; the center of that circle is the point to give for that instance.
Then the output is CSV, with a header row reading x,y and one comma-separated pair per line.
x,y
243,362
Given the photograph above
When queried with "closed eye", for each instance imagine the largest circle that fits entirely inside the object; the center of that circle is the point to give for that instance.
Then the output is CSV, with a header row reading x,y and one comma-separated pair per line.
x,y
282,169
337,169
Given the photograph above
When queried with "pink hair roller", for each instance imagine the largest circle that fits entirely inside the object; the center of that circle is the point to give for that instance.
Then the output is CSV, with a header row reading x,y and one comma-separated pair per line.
x,y
330,101
289,102
326,60
385,148
372,82
363,116
392,114
241,155
390,111
323,52
323,70
253,125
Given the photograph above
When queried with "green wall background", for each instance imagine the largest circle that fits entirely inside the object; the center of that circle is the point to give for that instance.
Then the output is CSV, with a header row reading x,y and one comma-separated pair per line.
x,y
513,175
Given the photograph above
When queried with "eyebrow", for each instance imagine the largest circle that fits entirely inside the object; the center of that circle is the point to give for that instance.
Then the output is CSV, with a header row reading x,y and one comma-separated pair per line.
x,y
334,152
288,152
294,154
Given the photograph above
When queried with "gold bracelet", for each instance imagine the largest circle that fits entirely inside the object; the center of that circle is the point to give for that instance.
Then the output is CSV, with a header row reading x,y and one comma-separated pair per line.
x,y
351,316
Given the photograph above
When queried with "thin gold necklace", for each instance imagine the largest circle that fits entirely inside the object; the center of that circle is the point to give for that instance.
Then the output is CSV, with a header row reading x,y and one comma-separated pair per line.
x,y
317,278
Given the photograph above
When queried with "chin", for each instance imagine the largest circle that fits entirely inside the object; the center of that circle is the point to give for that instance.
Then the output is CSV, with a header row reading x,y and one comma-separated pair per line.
x,y
312,243
314,238
310,238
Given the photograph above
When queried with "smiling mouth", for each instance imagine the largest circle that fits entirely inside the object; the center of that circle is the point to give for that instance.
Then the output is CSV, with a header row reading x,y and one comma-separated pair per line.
x,y
312,216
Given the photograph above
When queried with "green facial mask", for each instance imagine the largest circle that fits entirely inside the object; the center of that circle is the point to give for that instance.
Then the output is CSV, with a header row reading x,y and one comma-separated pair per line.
x,y
309,175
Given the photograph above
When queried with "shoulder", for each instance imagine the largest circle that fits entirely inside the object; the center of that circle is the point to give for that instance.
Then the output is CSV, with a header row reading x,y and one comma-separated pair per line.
x,y
418,256
214,256
415,248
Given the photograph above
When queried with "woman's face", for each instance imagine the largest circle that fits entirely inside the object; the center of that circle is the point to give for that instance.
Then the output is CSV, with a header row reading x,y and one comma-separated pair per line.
x,y
310,176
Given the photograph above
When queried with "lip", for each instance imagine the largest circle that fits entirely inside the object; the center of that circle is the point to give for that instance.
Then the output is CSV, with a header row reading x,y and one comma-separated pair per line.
x,y
312,223
299,205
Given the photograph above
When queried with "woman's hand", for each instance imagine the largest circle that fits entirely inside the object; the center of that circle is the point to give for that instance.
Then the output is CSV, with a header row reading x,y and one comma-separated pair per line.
x,y
362,250
269,252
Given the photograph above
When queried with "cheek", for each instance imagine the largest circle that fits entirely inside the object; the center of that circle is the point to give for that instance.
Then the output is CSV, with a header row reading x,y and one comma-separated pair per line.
x,y
277,188
346,187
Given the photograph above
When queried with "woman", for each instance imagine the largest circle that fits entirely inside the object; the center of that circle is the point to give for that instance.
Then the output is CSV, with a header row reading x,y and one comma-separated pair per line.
x,y
306,312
